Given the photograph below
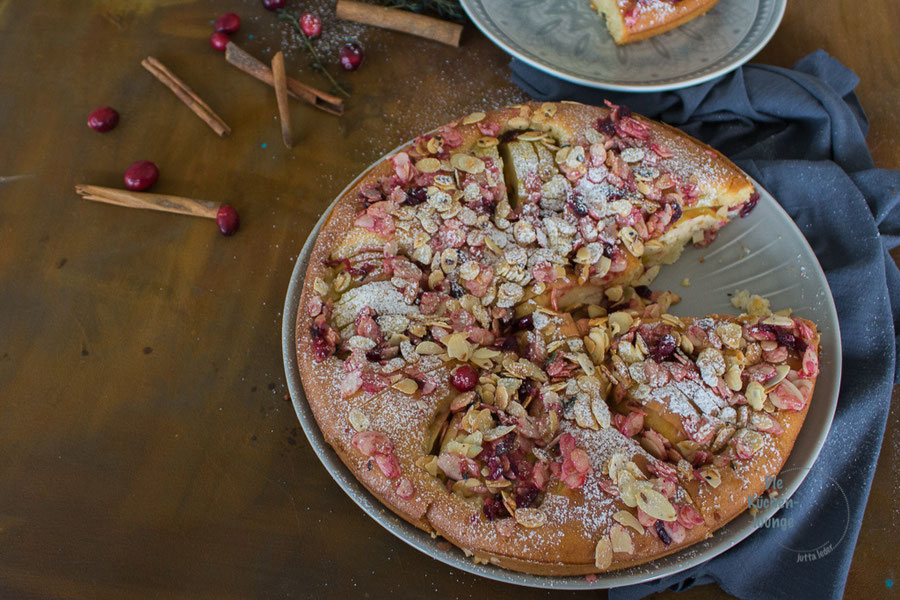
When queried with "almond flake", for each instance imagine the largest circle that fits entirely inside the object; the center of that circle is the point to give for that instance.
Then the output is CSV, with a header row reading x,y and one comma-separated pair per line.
x,y
531,136
429,348
629,520
518,123
621,540
620,322
532,518
781,371
467,163
407,386
358,420
473,118
429,165
457,346
462,401
712,477
632,241
601,412
498,432
656,505
603,553
583,415
487,142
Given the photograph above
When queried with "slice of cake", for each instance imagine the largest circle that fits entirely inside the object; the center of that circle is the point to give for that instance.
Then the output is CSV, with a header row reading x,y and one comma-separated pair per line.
x,y
633,20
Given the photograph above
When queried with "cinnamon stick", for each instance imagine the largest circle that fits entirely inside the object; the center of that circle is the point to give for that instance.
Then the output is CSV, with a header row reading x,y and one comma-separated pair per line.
x,y
280,85
246,62
172,204
186,95
394,19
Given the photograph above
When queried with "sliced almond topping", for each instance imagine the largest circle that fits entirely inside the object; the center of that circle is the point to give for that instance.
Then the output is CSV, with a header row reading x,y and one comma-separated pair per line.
x,y
518,123
548,109
603,553
532,518
457,346
731,334
601,412
498,432
733,378
779,321
429,348
629,520
467,163
620,322
429,165
712,477
583,415
656,505
487,142
462,401
531,136
632,241
756,395
473,118
621,539
407,386
358,420
781,371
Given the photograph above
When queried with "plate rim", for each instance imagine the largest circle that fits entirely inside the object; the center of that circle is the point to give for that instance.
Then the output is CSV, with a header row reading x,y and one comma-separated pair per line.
x,y
778,16
694,555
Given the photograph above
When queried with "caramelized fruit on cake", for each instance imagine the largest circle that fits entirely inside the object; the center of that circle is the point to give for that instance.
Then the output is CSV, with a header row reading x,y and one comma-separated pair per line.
x,y
478,343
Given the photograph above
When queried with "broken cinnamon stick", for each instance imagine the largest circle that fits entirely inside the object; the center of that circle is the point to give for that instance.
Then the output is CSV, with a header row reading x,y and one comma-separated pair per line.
x,y
246,62
172,204
395,19
280,85
186,95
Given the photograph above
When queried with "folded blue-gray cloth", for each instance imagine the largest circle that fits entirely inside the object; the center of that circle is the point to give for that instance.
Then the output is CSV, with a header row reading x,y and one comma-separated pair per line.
x,y
801,133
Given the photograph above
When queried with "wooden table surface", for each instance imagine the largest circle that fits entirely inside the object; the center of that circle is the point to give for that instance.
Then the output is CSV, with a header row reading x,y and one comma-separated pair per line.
x,y
147,446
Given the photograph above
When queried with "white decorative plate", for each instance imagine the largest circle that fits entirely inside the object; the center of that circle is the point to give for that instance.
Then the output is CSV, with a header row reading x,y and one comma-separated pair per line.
x,y
765,253
568,39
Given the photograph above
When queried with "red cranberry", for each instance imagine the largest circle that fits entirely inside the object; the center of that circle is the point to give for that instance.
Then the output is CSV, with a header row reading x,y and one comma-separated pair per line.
x,y
464,378
273,4
228,23
227,220
311,25
141,175
219,40
103,119
351,56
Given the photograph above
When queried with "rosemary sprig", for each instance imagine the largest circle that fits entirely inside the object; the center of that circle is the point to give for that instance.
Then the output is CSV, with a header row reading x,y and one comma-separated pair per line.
x,y
447,9
317,63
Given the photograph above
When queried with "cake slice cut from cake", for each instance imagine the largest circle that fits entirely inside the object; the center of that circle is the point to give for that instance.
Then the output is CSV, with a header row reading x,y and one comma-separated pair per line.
x,y
633,20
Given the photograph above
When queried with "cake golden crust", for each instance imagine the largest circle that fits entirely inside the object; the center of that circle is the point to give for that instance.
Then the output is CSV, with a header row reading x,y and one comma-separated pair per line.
x,y
394,435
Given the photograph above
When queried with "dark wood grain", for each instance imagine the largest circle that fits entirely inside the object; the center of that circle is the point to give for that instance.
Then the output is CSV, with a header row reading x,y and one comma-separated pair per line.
x,y
147,446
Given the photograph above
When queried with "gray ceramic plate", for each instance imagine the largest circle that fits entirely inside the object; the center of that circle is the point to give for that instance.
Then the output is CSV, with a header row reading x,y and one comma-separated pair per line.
x,y
765,253
568,39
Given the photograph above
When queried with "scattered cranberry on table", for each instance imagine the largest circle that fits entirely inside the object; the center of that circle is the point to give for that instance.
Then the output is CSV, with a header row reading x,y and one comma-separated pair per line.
x,y
311,25
273,4
228,23
227,220
141,175
464,378
103,119
351,56
219,40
